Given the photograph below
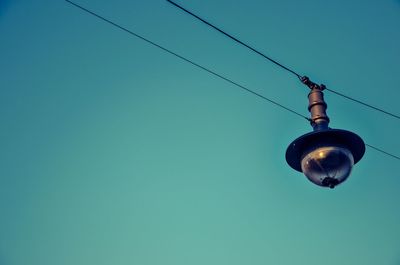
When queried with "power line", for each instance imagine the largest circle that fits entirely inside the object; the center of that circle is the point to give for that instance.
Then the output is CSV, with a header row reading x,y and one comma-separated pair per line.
x,y
237,40
363,103
188,60
276,62
207,70
383,151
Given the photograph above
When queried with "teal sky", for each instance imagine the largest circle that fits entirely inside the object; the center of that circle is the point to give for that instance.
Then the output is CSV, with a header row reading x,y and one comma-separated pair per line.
x,y
114,152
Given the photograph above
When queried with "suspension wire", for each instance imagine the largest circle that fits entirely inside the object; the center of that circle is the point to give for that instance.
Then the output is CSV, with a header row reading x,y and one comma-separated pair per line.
x,y
189,61
235,39
383,151
277,63
363,103
208,70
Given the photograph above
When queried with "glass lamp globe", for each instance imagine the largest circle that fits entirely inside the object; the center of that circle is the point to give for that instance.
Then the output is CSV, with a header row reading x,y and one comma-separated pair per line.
x,y
327,166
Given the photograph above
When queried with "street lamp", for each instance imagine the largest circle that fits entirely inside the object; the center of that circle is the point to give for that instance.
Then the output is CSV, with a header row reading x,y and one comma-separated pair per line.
x,y
326,156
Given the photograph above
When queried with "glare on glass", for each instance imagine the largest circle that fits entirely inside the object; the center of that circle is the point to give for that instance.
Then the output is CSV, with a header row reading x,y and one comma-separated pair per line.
x,y
327,166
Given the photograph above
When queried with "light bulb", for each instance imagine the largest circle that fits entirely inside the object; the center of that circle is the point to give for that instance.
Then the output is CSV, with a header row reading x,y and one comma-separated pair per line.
x,y
327,166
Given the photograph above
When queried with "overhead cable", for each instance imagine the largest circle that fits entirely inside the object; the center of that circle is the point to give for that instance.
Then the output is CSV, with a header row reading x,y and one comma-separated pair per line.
x,y
383,152
236,39
189,61
276,62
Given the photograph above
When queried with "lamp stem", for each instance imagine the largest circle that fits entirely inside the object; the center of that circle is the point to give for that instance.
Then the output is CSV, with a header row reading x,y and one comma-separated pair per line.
x,y
317,107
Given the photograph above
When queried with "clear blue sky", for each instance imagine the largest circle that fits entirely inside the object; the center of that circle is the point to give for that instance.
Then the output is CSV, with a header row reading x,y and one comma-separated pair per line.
x,y
114,152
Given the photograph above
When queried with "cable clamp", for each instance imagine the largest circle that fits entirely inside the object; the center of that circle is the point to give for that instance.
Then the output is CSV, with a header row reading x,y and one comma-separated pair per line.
x,y
305,80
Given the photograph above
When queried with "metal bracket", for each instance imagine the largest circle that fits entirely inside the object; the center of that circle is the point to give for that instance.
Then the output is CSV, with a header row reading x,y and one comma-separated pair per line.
x,y
317,105
305,80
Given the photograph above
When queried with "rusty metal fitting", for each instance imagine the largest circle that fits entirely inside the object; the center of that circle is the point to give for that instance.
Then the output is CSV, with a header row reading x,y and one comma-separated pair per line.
x,y
317,107
305,80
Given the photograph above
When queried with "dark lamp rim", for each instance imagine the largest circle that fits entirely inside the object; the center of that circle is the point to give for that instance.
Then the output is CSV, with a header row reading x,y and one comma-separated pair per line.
x,y
324,138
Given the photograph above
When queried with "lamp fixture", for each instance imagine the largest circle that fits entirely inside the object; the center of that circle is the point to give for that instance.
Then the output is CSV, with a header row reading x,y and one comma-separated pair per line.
x,y
326,156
